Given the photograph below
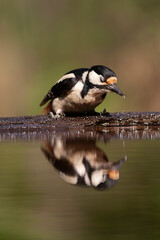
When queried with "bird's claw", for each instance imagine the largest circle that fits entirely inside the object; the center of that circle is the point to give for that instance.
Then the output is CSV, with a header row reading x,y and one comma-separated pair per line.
x,y
56,116
105,113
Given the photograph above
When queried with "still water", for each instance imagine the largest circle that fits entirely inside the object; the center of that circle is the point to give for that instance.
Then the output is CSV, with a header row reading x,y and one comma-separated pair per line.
x,y
94,185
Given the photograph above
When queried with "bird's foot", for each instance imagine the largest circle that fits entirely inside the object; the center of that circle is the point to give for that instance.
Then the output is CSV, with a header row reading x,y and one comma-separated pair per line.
x,y
105,113
57,115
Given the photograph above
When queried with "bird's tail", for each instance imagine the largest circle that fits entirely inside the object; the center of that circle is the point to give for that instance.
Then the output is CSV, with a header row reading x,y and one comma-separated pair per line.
x,y
47,109
45,99
48,97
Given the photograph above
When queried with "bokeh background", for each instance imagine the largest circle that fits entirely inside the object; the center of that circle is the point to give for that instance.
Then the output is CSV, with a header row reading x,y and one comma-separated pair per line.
x,y
41,40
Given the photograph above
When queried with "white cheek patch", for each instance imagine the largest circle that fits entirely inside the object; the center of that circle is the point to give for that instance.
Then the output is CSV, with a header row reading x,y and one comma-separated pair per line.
x,y
97,177
95,78
70,75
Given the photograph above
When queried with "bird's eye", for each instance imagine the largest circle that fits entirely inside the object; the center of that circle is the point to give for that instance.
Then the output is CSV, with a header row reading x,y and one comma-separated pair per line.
x,y
101,79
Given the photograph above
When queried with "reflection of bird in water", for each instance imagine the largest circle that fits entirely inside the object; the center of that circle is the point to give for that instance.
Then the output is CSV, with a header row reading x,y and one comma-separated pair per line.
x,y
81,162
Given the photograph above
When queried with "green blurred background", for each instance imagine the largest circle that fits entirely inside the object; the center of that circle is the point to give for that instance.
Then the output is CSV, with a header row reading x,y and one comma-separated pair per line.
x,y
41,40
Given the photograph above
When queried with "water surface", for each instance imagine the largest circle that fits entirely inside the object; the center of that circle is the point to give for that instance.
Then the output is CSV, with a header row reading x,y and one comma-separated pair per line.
x,y
95,185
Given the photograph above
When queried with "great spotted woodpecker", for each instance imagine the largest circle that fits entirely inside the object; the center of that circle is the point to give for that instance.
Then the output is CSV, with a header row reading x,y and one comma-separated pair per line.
x,y
80,91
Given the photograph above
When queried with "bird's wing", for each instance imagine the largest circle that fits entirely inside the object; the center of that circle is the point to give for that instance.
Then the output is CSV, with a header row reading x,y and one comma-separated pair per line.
x,y
60,89
64,85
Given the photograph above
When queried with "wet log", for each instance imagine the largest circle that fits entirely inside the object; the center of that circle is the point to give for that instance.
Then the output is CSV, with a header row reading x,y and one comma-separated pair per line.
x,y
41,122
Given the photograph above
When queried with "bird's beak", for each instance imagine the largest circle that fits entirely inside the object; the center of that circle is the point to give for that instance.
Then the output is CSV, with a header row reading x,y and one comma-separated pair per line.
x,y
111,85
114,171
113,88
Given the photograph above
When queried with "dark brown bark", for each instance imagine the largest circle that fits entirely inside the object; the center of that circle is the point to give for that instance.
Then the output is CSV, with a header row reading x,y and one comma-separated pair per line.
x,y
114,120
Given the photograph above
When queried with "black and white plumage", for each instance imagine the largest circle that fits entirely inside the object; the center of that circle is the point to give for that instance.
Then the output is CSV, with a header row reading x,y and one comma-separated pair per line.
x,y
81,162
81,90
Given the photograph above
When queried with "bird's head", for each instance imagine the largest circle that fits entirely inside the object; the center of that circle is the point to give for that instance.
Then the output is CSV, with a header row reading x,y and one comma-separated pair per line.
x,y
104,78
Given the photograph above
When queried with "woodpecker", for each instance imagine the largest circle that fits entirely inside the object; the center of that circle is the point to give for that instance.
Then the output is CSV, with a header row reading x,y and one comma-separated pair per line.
x,y
81,162
80,91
